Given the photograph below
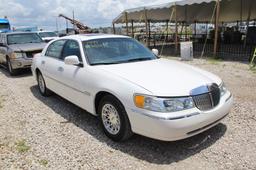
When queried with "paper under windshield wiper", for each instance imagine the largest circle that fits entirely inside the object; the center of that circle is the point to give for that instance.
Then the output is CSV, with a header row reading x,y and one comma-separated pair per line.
x,y
125,61
93,64
136,59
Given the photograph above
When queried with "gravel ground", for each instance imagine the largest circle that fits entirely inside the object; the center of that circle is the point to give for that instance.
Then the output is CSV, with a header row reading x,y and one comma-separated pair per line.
x,y
51,133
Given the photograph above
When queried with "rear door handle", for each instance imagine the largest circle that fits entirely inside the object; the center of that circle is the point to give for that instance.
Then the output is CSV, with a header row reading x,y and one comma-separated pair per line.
x,y
60,69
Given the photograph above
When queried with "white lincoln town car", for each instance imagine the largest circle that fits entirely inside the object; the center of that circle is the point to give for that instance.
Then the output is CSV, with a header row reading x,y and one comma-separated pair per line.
x,y
130,88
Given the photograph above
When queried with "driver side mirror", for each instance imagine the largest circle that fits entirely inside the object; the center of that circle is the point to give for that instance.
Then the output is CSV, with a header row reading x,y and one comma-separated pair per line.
x,y
71,60
2,44
155,51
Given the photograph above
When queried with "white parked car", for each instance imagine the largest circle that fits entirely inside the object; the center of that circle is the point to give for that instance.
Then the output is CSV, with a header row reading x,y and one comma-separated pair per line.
x,y
130,88
47,35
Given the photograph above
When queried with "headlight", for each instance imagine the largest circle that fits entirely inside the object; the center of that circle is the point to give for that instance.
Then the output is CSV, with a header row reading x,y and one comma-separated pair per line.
x,y
223,89
17,55
158,104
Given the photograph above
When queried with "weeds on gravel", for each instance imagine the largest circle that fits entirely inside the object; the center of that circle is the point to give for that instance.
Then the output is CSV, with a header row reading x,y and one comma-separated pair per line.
x,y
214,61
1,101
21,146
253,69
43,162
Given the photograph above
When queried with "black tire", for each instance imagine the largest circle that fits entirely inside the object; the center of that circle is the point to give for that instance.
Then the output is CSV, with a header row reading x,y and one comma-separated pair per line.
x,y
12,71
42,86
125,128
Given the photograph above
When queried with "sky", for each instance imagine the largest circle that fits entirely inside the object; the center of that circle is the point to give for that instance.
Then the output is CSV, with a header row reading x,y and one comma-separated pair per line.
x,y
43,13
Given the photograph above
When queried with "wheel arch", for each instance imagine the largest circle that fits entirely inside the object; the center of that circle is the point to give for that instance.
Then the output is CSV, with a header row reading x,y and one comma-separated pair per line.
x,y
99,96
37,71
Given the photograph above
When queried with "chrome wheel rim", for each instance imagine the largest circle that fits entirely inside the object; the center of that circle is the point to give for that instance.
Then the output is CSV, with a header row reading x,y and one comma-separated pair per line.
x,y
111,119
41,83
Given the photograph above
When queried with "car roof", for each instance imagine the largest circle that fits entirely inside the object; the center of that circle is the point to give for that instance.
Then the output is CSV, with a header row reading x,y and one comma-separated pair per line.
x,y
86,37
18,32
44,31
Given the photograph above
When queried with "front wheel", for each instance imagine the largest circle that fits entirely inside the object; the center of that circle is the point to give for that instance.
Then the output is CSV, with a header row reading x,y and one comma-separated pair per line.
x,y
42,86
114,119
12,71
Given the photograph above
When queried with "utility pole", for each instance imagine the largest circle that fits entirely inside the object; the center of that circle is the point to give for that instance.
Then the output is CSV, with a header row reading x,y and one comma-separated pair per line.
x,y
73,19
66,26
57,26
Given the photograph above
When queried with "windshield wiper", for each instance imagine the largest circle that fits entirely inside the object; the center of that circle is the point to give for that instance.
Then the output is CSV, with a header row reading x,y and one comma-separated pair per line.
x,y
136,59
93,64
125,61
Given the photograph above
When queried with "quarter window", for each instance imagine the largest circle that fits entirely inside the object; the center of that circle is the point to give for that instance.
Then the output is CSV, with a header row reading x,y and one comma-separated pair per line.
x,y
71,48
54,49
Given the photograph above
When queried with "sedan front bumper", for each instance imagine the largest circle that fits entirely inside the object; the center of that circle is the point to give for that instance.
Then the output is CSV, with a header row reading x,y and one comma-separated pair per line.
x,y
21,63
178,125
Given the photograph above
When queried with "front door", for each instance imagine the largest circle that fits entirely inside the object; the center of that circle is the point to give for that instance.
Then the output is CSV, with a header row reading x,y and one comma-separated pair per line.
x,y
74,77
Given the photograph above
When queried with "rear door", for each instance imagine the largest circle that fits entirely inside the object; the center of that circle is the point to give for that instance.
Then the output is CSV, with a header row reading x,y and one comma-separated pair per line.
x,y
50,65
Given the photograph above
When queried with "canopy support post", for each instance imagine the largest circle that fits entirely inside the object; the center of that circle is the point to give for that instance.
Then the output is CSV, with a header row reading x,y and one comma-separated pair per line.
x,y
126,22
132,30
182,26
195,29
114,29
206,29
241,12
146,24
216,28
186,18
248,20
149,32
176,30
167,27
186,30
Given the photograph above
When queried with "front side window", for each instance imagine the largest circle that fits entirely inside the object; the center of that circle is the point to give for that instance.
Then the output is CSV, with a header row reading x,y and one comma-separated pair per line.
x,y
55,48
71,48
23,38
115,51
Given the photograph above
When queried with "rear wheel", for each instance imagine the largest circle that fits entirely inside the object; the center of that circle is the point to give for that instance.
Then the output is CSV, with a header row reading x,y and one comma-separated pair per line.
x,y
42,86
9,67
114,119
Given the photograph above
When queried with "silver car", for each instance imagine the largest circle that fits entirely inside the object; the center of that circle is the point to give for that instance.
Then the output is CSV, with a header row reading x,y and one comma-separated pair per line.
x,y
18,48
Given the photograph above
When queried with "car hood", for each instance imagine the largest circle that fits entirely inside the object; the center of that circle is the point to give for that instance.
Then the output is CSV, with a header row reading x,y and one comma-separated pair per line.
x,y
27,47
163,77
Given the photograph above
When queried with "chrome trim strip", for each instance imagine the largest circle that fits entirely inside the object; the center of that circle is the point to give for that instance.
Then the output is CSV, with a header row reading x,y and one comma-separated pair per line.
x,y
229,97
164,118
84,92
207,126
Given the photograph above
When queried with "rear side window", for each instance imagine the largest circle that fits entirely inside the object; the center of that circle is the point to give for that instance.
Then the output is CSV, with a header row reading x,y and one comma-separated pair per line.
x,y
71,48
54,50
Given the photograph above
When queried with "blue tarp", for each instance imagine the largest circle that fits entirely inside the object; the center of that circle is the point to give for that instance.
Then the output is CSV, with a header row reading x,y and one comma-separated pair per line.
x,y
4,21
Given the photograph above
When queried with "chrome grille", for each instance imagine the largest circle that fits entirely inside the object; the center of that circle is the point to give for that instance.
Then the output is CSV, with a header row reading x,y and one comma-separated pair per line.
x,y
203,101
30,54
209,100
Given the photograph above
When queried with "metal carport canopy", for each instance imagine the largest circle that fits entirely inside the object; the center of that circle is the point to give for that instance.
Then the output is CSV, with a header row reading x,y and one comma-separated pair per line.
x,y
191,11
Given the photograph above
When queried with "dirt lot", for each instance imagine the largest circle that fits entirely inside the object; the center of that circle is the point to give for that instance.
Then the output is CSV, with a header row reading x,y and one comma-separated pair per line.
x,y
51,133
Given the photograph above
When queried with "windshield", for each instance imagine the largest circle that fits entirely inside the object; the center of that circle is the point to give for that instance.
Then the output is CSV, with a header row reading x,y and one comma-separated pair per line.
x,y
116,50
47,34
4,26
23,38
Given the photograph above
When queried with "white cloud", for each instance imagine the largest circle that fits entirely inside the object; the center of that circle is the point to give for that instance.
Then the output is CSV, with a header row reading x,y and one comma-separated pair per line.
x,y
43,13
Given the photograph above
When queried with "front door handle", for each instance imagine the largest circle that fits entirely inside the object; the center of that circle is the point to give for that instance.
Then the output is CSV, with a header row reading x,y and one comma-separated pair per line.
x,y
60,69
